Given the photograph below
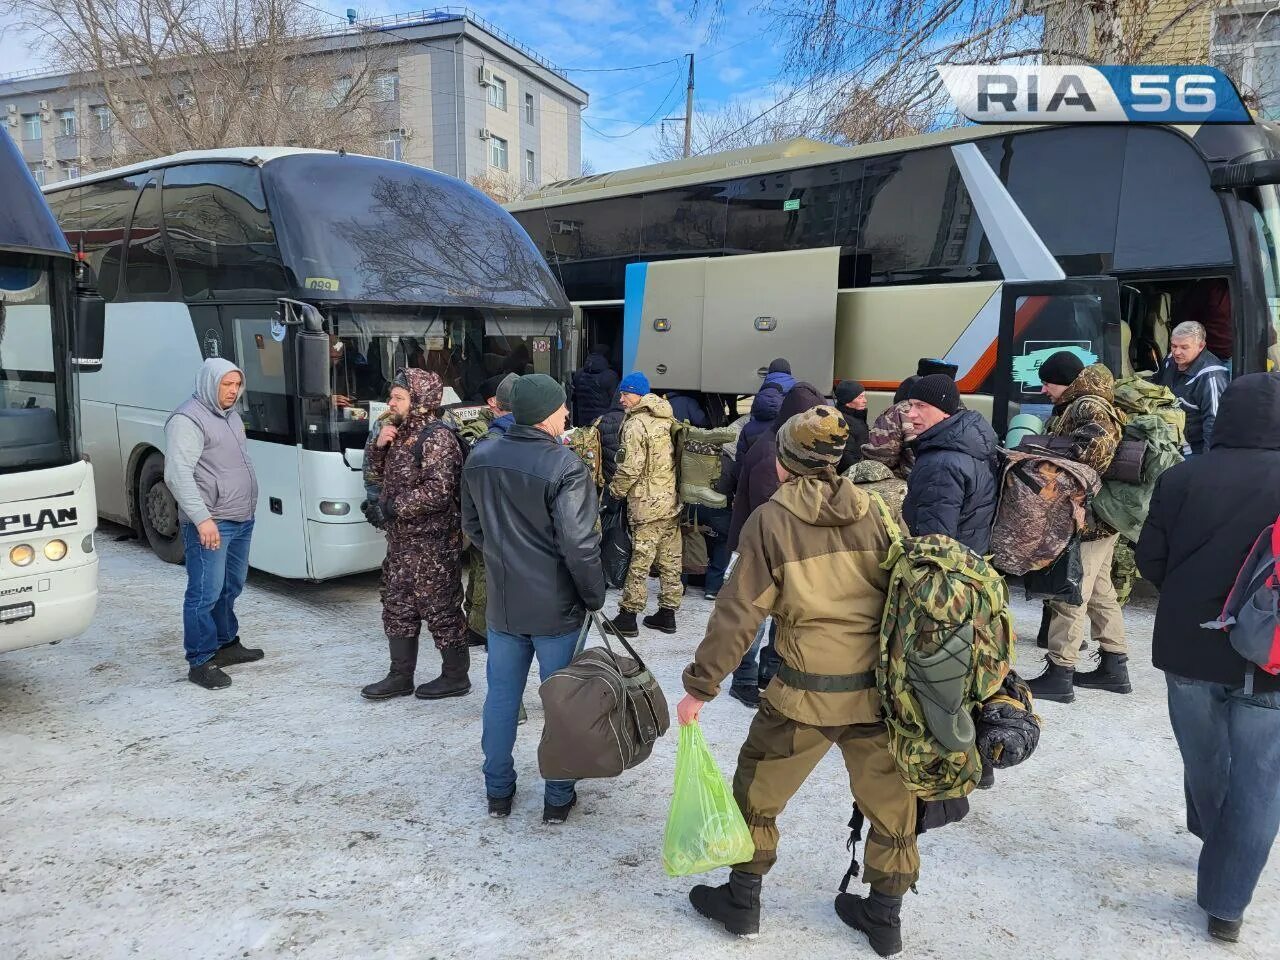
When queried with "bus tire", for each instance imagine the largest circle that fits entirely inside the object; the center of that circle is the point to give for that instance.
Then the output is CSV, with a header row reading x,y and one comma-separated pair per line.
x,y
158,511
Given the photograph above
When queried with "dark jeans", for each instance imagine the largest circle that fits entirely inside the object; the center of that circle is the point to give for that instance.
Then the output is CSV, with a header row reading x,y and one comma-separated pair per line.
x,y
717,544
1230,744
215,579
753,673
507,670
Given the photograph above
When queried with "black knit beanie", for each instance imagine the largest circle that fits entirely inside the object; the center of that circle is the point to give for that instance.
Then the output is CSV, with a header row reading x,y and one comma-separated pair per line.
x,y
780,366
904,389
1061,369
848,390
937,390
926,366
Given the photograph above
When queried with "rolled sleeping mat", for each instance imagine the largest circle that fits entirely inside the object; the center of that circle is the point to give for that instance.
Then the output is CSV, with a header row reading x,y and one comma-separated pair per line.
x,y
1020,427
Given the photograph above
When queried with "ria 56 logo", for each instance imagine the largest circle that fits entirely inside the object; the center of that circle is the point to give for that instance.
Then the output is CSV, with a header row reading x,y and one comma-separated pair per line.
x,y
1094,94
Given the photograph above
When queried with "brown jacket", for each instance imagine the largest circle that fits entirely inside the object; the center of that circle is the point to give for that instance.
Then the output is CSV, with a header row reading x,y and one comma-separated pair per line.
x,y
811,558
1086,414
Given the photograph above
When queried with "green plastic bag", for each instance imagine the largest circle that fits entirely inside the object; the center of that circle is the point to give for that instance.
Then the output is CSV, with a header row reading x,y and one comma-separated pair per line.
x,y
705,828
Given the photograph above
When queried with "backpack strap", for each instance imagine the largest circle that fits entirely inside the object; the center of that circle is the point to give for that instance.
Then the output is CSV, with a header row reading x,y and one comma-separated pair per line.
x,y
1275,552
886,516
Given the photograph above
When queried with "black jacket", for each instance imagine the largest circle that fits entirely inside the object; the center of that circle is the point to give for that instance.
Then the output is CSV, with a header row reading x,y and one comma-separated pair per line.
x,y
1205,515
595,387
611,439
1199,390
859,433
530,505
952,487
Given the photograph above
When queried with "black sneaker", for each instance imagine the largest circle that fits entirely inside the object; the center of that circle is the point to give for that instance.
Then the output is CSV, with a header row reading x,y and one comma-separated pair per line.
x,y
1226,931
500,807
235,653
553,814
747,696
209,676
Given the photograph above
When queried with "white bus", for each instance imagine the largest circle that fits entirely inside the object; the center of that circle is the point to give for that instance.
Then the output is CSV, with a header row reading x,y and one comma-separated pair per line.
x,y
286,262
48,563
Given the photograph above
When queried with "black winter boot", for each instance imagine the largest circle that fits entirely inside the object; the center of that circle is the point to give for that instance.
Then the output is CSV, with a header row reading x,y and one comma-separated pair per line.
x,y
455,664
879,916
624,621
664,620
236,653
735,904
399,681
1054,684
1112,674
1226,931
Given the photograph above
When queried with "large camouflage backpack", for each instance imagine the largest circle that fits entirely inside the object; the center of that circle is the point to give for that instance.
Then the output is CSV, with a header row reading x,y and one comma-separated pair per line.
x,y
697,453
585,442
946,639
1043,503
872,476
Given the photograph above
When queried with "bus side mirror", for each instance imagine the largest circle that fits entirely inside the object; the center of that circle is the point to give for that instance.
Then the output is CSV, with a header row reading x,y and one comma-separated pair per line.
x,y
90,332
314,372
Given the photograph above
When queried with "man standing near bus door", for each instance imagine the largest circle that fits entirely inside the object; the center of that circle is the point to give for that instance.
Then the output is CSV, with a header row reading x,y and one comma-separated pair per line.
x,y
420,462
207,469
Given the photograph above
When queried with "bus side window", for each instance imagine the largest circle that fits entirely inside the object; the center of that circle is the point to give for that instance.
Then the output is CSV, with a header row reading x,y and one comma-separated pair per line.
x,y
94,218
146,265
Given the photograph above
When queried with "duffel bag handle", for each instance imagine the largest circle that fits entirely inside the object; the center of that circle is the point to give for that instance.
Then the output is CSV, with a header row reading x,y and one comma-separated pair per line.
x,y
605,627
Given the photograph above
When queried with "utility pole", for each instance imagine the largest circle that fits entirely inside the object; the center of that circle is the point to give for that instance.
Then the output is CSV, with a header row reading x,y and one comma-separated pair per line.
x,y
688,111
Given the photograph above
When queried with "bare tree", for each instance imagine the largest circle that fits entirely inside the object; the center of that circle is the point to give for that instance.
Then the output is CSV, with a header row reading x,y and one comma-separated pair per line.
x,y
199,74
739,123
500,186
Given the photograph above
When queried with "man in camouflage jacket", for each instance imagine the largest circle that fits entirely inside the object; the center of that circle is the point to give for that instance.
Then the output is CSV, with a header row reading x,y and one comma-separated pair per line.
x,y
1084,411
889,439
646,478
418,462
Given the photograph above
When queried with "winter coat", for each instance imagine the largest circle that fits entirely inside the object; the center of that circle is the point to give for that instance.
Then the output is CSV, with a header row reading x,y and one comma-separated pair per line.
x,y
889,440
1198,389
859,433
686,407
1087,414
810,557
499,426
952,487
783,381
610,427
595,387
646,468
1205,515
530,506
757,471
764,410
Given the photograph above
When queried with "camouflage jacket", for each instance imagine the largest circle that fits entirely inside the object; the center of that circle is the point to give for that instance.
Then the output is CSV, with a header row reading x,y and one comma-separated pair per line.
x,y
421,469
889,441
1086,414
646,471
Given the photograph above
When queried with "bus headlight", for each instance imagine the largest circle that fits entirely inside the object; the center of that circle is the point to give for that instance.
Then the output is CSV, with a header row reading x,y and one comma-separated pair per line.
x,y
334,508
22,555
55,549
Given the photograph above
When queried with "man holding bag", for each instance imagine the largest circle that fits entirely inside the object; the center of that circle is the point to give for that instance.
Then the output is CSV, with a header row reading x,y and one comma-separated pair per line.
x,y
810,558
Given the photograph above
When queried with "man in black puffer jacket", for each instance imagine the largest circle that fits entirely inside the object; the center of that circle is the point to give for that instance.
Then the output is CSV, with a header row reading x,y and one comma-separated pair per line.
x,y
595,387
952,487
1205,515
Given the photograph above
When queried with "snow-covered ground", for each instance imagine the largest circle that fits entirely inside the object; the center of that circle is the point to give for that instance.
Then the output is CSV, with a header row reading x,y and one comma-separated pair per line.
x,y
143,817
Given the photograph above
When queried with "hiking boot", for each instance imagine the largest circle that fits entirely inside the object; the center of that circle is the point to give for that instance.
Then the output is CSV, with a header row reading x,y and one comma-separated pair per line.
x,y
399,680
556,815
878,916
735,904
664,620
988,776
209,676
1111,674
500,807
235,653
1226,931
1054,684
475,639
747,696
455,663
624,621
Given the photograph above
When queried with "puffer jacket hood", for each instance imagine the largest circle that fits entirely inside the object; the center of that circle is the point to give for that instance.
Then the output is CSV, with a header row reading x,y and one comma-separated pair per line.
x,y
426,391
803,396
209,378
824,500
1249,415
653,405
1093,381
765,406
783,380
596,363
966,432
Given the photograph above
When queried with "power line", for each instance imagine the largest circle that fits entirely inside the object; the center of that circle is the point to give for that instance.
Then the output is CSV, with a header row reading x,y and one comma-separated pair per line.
x,y
638,66
661,107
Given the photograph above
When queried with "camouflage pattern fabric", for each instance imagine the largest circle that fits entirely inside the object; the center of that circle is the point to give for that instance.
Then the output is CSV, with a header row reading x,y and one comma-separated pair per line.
x,y
585,442
1043,504
421,472
471,429
871,476
937,590
1087,415
1135,396
700,465
660,541
889,438
646,471
1124,571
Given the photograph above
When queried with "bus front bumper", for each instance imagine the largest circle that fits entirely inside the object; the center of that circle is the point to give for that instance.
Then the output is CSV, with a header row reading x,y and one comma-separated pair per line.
x,y
47,606
341,549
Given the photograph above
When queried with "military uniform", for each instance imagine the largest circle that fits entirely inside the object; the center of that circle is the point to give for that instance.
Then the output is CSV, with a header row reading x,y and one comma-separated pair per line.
x,y
888,440
646,478
477,595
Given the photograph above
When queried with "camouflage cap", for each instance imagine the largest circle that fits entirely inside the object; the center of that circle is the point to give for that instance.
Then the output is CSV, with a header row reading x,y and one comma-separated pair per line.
x,y
813,441
869,471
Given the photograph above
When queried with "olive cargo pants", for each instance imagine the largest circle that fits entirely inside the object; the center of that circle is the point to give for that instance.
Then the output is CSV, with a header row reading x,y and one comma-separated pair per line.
x,y
1100,605
778,757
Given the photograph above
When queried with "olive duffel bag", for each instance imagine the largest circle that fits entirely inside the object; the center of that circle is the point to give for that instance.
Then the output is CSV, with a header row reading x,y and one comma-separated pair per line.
x,y
602,713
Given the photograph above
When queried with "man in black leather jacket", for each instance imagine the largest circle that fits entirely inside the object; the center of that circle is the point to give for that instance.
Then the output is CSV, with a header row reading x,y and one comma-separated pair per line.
x,y
530,505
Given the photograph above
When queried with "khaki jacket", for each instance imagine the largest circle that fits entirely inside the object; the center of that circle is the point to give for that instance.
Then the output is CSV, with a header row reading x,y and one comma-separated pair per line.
x,y
646,466
810,557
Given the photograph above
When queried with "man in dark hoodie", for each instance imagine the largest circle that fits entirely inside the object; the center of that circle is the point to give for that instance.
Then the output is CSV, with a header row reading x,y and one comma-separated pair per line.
x,y
1205,515
952,487
595,387
764,411
851,401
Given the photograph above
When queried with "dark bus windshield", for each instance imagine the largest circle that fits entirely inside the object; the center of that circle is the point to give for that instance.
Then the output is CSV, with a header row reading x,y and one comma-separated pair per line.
x,y
362,229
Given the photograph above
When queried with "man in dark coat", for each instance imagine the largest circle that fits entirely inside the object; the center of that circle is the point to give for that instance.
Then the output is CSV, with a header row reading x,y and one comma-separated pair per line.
x,y
1205,515
595,387
851,401
764,410
952,487
1197,378
686,406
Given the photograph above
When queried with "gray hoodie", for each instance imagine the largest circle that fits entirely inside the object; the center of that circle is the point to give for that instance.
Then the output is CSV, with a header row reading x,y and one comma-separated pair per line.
x,y
207,463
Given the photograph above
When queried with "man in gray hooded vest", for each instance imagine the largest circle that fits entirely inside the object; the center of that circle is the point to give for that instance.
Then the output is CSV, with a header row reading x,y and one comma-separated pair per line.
x,y
209,474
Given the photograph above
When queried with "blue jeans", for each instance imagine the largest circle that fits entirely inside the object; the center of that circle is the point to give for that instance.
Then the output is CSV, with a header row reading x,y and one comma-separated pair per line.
x,y
507,670
1230,745
215,578
751,673
718,521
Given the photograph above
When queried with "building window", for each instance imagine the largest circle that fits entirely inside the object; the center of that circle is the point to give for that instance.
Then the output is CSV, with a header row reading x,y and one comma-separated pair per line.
x,y
528,108
498,93
37,172
393,145
1246,45
339,91
70,172
386,88
31,126
137,115
498,153
67,123
102,117
530,167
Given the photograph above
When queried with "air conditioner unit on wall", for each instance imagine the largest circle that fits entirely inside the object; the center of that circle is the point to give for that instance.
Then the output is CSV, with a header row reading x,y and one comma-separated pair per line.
x,y
48,164
486,77
484,133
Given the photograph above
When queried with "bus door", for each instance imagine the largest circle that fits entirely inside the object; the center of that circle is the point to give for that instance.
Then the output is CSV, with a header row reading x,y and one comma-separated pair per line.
x,y
1040,318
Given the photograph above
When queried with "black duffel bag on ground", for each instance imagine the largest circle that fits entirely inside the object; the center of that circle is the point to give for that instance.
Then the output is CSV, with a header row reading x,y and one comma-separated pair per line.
x,y
602,713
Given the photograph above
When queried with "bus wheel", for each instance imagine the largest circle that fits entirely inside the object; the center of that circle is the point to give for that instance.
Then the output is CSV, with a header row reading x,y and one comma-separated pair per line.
x,y
159,511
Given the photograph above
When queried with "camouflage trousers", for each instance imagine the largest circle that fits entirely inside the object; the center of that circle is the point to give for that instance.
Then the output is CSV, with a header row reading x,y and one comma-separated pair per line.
x,y
477,591
422,580
660,541
1124,571
778,757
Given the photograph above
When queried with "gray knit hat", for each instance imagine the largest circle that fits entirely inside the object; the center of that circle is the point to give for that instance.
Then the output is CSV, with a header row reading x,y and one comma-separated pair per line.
x,y
503,394
534,397
813,441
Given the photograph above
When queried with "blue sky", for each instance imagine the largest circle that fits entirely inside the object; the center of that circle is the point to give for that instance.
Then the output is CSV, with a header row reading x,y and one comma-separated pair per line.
x,y
736,60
